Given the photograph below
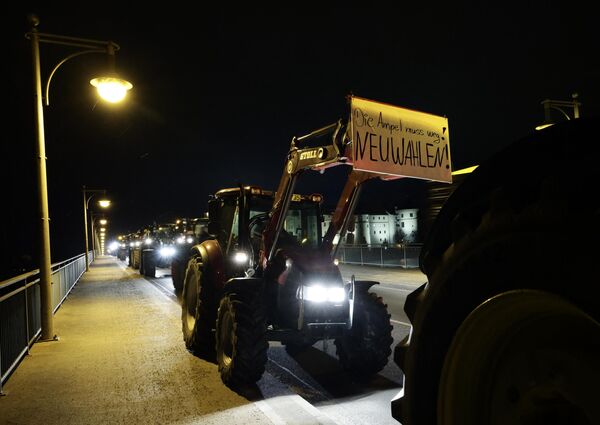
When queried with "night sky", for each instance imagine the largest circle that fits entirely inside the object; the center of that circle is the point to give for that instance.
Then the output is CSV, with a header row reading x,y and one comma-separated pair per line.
x,y
218,95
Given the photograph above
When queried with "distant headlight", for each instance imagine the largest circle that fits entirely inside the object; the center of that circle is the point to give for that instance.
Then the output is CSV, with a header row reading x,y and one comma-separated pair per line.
x,y
138,243
148,241
180,239
240,257
189,240
319,294
167,251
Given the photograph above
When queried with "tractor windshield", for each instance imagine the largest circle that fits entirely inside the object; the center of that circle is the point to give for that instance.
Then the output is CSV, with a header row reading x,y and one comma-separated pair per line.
x,y
302,221
164,233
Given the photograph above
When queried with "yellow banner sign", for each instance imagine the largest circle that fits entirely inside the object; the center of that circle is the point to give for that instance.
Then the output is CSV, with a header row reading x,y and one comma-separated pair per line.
x,y
399,142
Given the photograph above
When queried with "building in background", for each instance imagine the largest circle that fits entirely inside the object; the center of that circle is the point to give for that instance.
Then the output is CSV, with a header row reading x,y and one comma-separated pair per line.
x,y
381,227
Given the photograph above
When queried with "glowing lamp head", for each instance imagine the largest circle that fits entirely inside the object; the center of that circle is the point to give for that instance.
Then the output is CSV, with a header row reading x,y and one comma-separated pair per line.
x,y
111,89
104,203
103,222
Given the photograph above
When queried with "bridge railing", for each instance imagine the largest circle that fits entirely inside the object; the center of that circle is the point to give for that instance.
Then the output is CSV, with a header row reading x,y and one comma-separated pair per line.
x,y
401,255
20,311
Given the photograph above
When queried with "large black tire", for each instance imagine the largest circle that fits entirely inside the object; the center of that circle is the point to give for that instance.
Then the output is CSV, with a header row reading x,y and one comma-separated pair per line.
x,y
177,273
148,264
198,310
365,349
501,239
241,345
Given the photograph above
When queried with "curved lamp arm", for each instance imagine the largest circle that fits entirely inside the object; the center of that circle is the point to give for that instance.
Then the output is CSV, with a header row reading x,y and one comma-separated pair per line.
x,y
563,112
83,52
87,202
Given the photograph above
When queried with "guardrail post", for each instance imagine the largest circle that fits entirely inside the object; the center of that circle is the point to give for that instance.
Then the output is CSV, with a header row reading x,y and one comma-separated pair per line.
x,y
361,256
1,392
26,319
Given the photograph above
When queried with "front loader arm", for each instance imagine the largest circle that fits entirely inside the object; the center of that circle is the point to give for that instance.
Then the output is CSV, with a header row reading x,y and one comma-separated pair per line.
x,y
345,208
298,160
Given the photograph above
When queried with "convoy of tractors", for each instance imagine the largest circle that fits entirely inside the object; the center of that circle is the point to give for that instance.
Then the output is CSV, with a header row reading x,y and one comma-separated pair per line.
x,y
259,268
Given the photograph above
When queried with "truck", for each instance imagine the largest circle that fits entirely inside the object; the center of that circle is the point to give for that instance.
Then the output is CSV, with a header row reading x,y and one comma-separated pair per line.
x,y
506,329
268,274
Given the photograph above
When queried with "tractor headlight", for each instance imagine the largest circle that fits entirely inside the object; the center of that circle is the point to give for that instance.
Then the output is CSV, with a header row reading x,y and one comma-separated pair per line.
x,y
320,293
167,251
240,257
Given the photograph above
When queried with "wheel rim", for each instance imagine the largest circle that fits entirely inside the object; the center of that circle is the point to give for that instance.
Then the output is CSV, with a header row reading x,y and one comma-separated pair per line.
x,y
191,298
226,330
522,357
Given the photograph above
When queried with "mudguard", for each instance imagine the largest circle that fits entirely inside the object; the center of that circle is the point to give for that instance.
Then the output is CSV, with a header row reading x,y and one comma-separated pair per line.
x,y
238,284
212,260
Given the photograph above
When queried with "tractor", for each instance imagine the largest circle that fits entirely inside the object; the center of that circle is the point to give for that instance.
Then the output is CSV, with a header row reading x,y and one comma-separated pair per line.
x,y
506,330
156,248
187,233
269,274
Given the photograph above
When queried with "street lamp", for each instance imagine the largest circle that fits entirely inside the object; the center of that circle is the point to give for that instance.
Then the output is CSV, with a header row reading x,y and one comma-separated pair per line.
x,y
559,106
104,203
87,46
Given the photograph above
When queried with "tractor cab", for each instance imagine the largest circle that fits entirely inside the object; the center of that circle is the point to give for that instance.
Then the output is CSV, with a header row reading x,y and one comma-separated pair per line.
x,y
237,219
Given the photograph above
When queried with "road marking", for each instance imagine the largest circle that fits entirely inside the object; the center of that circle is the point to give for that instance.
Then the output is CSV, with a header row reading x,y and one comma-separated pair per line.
x,y
291,415
395,289
400,323
295,376
264,407
162,291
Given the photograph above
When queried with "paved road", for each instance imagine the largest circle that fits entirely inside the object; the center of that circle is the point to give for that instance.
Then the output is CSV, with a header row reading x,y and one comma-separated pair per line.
x,y
314,378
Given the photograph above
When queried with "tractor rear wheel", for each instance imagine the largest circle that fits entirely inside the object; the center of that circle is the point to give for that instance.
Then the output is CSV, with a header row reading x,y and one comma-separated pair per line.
x,y
148,264
197,310
241,345
365,349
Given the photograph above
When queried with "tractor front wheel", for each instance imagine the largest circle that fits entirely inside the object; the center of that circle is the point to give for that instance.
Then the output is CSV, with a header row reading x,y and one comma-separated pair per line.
x,y
241,345
197,310
365,349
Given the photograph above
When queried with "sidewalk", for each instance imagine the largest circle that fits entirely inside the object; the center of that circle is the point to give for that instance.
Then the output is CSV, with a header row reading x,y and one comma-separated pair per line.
x,y
120,359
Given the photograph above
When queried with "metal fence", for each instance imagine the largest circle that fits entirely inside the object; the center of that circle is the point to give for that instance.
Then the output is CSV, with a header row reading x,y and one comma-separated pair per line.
x,y
404,255
20,315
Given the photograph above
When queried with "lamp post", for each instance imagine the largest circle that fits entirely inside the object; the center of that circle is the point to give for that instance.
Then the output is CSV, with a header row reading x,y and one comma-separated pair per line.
x,y
94,223
115,87
86,204
559,105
